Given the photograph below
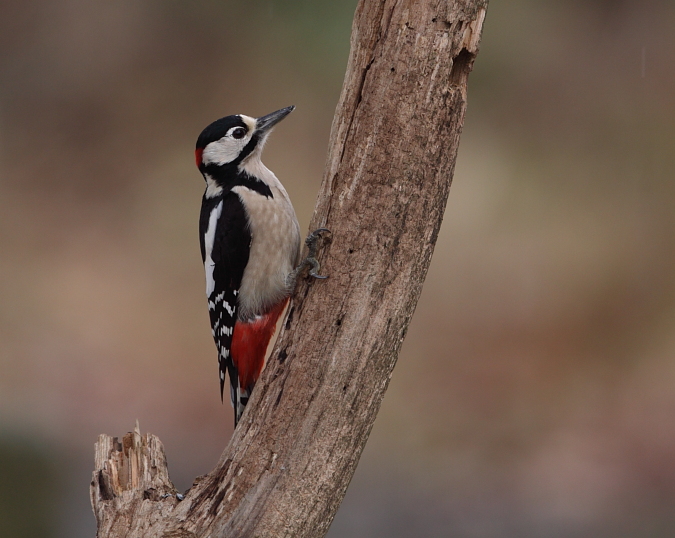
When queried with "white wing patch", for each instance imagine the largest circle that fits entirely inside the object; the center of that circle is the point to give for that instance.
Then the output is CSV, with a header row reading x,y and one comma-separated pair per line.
x,y
209,238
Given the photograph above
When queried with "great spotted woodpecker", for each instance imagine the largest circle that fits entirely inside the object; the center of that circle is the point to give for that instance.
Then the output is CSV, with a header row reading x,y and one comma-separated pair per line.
x,y
250,244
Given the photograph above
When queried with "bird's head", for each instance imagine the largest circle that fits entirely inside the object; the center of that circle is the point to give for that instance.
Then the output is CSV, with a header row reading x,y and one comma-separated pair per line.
x,y
232,139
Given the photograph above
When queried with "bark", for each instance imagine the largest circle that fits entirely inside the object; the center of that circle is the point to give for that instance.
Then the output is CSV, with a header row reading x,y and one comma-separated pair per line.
x,y
392,154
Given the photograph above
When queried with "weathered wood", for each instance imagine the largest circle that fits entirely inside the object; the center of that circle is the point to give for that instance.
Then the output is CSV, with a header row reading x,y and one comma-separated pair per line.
x,y
392,154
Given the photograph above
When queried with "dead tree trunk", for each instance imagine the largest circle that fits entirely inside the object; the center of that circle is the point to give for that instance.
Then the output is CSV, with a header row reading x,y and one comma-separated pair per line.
x,y
392,154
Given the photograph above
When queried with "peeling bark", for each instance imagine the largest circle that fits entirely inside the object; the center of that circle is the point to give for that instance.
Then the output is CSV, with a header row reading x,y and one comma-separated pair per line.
x,y
392,154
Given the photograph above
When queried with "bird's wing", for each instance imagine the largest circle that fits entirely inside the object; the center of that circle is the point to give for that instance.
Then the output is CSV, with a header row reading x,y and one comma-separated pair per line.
x,y
225,242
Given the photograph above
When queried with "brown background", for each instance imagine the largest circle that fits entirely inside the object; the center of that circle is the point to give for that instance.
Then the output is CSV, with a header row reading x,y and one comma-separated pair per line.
x,y
535,393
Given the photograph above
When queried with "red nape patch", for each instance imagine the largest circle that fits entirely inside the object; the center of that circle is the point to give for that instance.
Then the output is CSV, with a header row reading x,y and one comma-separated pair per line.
x,y
249,344
198,156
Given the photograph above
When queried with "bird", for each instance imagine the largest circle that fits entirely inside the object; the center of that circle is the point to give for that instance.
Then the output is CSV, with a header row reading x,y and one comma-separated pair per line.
x,y
250,246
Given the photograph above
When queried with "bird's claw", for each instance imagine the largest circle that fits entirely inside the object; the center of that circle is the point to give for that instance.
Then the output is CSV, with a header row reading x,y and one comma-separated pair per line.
x,y
310,261
315,267
312,243
313,239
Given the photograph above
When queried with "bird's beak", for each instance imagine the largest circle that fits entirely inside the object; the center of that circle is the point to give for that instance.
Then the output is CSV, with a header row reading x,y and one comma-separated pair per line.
x,y
265,123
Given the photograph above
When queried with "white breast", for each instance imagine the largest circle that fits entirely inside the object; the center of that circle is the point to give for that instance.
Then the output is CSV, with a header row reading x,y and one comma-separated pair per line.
x,y
275,243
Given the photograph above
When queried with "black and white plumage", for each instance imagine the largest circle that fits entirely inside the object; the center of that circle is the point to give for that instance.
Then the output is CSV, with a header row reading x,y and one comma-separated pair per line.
x,y
250,243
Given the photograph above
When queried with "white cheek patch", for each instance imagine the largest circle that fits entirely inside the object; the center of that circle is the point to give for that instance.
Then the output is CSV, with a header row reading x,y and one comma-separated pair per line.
x,y
223,151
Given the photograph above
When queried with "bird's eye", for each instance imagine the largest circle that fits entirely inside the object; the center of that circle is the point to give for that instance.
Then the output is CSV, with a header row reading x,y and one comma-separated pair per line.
x,y
238,133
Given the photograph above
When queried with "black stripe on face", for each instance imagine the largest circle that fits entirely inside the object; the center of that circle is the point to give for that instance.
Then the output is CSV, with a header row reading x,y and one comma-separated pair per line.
x,y
229,176
256,185
248,149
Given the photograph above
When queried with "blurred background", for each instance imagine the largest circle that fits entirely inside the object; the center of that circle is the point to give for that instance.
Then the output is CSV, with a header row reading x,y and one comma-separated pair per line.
x,y
535,393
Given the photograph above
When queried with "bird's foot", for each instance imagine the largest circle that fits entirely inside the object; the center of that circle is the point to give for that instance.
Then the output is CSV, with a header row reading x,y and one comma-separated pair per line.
x,y
312,242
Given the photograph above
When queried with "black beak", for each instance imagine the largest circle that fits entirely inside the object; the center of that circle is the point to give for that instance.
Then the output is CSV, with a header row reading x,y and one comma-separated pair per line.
x,y
265,123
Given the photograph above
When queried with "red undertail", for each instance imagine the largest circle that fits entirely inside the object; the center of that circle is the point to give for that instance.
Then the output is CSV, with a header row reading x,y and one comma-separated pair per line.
x,y
249,344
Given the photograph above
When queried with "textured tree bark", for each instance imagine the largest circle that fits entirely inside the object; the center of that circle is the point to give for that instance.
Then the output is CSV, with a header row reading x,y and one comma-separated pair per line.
x,y
392,154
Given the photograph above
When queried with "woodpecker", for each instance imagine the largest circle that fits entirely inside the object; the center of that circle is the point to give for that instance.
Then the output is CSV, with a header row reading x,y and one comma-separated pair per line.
x,y
250,245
